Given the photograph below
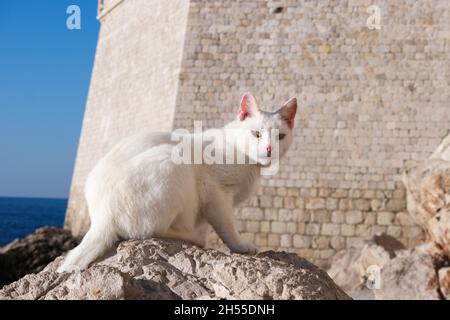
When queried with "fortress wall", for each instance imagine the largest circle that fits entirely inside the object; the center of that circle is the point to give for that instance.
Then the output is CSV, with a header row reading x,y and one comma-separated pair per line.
x,y
369,100
133,85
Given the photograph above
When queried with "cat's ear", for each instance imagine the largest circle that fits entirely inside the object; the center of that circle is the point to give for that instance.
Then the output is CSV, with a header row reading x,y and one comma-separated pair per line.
x,y
288,111
248,107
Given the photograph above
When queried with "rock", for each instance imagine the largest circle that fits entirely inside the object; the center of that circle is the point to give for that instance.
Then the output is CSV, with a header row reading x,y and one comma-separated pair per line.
x,y
33,253
428,187
439,230
351,268
389,271
428,194
409,276
444,282
98,282
443,150
168,269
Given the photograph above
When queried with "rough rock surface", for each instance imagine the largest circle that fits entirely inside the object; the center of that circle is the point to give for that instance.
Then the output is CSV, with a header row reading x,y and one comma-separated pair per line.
x,y
33,253
409,276
444,282
439,230
443,150
166,269
428,185
349,267
413,274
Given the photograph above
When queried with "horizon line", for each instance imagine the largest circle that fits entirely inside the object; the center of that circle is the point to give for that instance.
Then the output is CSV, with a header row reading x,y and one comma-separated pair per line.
x,y
34,197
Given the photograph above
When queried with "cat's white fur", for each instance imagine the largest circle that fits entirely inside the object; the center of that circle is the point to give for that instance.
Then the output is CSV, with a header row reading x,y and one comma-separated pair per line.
x,y
136,191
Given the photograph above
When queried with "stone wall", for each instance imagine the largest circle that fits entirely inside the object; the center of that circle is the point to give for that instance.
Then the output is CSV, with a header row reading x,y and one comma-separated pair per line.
x,y
133,86
370,100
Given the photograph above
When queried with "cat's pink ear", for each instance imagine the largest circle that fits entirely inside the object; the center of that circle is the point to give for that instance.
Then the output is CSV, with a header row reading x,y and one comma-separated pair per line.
x,y
248,107
288,111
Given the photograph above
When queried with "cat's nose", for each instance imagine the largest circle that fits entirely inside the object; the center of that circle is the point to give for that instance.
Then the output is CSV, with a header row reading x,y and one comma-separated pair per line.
x,y
269,150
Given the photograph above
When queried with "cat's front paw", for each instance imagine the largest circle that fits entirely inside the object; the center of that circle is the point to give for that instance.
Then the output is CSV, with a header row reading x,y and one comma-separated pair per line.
x,y
245,248
67,268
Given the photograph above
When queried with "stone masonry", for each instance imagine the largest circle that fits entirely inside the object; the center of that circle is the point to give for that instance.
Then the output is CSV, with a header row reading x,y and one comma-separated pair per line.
x,y
370,100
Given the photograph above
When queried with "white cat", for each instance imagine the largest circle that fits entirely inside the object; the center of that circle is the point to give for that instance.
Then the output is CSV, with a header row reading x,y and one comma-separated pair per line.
x,y
137,191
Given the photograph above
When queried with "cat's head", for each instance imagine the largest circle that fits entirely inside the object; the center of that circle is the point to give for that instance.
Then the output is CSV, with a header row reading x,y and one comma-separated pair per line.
x,y
268,130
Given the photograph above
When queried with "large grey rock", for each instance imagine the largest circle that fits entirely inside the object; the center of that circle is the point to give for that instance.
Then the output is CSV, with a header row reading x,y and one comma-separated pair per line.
x,y
32,253
166,269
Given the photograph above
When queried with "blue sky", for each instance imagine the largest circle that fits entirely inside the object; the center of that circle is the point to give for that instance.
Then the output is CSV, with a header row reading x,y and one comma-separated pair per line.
x,y
45,71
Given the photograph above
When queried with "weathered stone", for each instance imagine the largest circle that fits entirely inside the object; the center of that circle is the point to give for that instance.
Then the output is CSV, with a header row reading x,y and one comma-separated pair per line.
x,y
286,241
273,240
331,229
362,230
353,217
320,242
347,230
315,203
394,272
385,218
362,204
444,282
337,217
32,253
442,152
404,219
291,227
428,186
164,269
349,267
287,215
409,276
394,231
313,229
337,243
278,227
439,230
301,241
396,205
252,214
332,204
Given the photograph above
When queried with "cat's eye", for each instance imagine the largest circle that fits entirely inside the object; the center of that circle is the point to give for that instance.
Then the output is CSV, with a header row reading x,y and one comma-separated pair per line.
x,y
281,136
256,133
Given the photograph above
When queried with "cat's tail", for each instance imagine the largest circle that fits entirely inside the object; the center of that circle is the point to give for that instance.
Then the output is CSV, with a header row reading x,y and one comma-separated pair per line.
x,y
95,243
